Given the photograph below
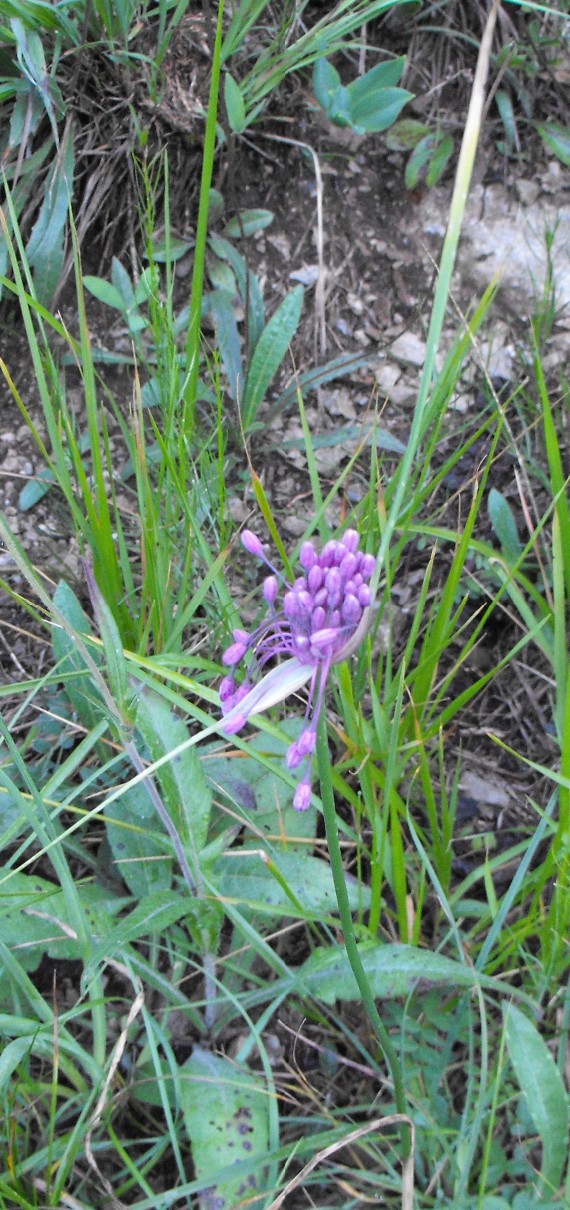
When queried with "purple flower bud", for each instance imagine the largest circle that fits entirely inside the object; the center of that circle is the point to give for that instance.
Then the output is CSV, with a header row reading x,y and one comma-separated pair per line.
x,y
315,578
319,618
305,601
364,596
252,544
294,757
367,566
227,688
234,654
351,609
328,554
333,582
302,796
350,540
348,566
307,556
270,589
241,636
321,597
307,742
334,619
290,605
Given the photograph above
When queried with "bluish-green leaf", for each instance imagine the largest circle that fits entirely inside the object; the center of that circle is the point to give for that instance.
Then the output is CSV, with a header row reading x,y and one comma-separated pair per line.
x,y
36,489
248,223
270,351
227,337
45,246
294,877
226,1114
504,525
78,680
142,855
235,105
34,918
326,82
542,1086
392,971
183,785
12,1055
104,292
557,139
383,75
378,110
406,134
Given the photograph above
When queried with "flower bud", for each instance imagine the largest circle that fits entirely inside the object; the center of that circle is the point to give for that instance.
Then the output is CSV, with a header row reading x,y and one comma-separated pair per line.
x,y
252,544
302,796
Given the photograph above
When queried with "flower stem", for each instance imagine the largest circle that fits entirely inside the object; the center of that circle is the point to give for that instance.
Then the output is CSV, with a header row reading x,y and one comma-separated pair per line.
x,y
329,813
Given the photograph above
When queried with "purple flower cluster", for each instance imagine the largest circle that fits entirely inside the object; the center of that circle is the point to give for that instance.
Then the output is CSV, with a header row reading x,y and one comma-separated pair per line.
x,y
324,615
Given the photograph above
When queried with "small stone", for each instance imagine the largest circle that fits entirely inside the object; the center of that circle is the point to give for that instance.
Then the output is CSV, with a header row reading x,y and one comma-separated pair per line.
x,y
409,349
387,376
527,191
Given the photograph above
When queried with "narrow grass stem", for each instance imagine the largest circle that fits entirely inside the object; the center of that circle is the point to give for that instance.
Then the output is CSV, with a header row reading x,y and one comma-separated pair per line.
x,y
335,855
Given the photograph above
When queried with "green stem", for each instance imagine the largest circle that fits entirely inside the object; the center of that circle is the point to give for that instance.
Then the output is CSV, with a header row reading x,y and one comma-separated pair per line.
x,y
329,813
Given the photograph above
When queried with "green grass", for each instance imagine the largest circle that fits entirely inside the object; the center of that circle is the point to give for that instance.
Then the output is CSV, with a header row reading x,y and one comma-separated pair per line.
x,y
188,965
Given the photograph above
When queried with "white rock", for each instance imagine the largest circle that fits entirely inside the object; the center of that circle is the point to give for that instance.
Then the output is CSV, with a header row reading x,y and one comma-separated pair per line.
x,y
409,349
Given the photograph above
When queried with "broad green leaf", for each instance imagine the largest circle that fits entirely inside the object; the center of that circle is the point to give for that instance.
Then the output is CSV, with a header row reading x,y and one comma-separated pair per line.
x,y
142,856
254,884
384,75
152,916
34,918
263,802
350,433
36,489
221,276
418,168
542,1086
326,82
379,110
557,139
78,681
226,1114
45,246
339,109
248,223
12,1055
183,785
235,105
116,664
404,135
507,113
227,337
104,292
392,971
249,287
122,283
442,152
270,352
504,525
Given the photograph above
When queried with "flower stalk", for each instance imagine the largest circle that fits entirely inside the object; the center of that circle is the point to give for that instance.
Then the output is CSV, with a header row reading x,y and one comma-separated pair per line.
x,y
344,911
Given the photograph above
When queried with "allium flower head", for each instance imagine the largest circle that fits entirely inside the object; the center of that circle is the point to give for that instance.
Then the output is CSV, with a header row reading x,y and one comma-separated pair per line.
x,y
321,620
